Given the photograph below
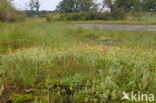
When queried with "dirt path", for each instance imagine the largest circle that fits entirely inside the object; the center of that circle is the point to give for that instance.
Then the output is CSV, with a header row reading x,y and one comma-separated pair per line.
x,y
119,27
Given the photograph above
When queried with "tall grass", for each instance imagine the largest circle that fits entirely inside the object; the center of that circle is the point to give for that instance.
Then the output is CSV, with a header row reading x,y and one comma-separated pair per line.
x,y
105,71
69,64
61,34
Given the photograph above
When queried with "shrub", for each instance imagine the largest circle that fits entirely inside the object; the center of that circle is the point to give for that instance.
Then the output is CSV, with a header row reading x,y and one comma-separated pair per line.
x,y
118,14
94,15
49,17
8,13
137,15
6,16
76,16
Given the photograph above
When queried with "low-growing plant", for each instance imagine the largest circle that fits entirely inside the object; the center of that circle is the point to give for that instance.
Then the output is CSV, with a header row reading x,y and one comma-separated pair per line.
x,y
86,73
62,63
18,98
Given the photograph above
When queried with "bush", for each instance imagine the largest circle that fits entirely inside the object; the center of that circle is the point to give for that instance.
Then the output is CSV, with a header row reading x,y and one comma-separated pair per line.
x,y
137,15
86,16
118,14
5,16
49,18
77,16
8,13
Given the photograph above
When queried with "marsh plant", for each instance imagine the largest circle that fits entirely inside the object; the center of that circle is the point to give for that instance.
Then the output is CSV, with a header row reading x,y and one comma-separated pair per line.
x,y
59,63
91,74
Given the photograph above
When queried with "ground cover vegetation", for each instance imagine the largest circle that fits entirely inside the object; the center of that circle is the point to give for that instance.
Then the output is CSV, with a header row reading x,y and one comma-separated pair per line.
x,y
59,63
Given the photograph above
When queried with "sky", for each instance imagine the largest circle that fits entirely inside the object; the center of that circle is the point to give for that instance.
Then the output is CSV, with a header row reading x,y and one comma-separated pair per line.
x,y
45,4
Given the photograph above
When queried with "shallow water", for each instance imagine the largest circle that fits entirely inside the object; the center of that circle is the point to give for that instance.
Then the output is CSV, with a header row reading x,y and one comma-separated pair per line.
x,y
119,27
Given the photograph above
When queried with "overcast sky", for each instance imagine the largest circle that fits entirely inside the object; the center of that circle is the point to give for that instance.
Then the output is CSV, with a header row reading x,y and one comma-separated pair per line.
x,y
45,4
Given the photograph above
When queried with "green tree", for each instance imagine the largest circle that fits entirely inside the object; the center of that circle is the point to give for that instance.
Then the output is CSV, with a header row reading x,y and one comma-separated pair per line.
x,y
86,5
126,5
37,6
66,6
149,5
71,6
34,4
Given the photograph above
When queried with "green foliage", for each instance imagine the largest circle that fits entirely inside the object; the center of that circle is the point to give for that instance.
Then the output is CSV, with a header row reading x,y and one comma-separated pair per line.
x,y
87,9
100,76
149,5
24,71
128,5
117,14
18,98
49,18
8,13
132,5
70,6
69,64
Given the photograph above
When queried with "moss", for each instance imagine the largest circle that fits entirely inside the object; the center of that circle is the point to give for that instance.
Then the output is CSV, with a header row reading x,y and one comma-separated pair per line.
x,y
19,98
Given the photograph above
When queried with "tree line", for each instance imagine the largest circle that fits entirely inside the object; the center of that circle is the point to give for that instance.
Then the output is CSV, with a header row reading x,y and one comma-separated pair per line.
x,y
84,7
72,6
75,6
